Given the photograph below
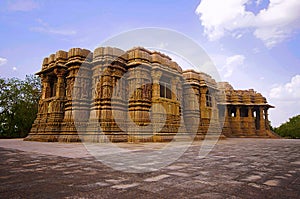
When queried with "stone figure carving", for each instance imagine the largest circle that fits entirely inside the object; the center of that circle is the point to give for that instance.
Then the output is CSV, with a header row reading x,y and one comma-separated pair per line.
x,y
132,84
98,89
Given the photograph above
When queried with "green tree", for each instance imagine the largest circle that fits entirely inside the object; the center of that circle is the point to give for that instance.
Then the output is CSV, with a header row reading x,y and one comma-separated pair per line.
x,y
18,105
290,129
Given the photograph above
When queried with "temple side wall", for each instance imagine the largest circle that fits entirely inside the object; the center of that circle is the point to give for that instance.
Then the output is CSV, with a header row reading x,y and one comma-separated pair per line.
x,y
138,96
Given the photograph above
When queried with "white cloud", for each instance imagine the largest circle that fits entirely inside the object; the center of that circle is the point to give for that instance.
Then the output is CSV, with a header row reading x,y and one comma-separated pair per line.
x,y
289,91
231,64
239,36
22,5
14,68
45,28
283,111
3,61
286,98
271,25
258,2
217,17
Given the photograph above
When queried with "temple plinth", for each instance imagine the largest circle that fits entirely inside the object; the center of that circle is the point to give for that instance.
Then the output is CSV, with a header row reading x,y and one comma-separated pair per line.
x,y
137,96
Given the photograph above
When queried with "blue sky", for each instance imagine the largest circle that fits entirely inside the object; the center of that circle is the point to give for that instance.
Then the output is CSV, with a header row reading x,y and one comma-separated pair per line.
x,y
253,43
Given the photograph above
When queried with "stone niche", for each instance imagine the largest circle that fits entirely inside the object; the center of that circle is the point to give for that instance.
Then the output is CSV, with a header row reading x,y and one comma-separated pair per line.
x,y
139,96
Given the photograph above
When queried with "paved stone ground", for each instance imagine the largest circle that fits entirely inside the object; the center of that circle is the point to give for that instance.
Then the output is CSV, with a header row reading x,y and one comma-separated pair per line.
x,y
236,168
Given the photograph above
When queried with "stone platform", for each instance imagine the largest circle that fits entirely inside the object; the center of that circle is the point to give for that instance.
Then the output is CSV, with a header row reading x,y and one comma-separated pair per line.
x,y
236,168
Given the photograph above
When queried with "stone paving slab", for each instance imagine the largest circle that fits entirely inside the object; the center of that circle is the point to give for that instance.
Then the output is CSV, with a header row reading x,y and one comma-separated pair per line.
x,y
71,150
236,168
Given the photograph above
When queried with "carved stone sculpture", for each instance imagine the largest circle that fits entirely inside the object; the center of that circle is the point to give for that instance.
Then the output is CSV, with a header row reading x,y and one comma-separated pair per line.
x,y
139,95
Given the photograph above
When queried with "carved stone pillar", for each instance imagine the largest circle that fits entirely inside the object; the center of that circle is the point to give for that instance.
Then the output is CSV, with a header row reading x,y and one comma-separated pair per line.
x,y
119,106
225,112
267,125
203,101
204,112
250,114
44,103
174,83
40,122
214,112
46,92
261,119
60,86
238,120
226,125
191,110
105,115
179,91
251,121
238,112
139,79
156,75
45,84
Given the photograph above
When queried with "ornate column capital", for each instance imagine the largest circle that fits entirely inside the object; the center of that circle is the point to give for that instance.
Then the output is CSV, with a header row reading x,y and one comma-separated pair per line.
x,y
203,90
60,87
45,78
59,72
156,75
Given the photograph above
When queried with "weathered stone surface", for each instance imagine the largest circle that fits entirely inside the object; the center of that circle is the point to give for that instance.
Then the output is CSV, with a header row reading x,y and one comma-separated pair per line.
x,y
59,170
107,96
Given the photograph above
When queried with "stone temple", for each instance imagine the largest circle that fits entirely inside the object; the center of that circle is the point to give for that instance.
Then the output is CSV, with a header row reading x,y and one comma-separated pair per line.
x,y
112,94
